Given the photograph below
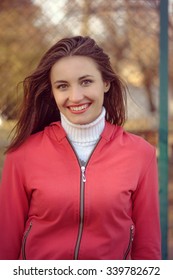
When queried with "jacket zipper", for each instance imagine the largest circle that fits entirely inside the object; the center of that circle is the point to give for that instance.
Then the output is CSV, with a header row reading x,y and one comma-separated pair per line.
x,y
82,191
130,242
24,241
83,180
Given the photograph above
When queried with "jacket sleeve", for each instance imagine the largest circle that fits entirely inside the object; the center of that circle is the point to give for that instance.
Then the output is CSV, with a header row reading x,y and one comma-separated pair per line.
x,y
14,207
146,215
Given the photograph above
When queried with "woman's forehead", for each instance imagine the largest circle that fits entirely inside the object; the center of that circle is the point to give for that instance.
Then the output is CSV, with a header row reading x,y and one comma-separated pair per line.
x,y
78,66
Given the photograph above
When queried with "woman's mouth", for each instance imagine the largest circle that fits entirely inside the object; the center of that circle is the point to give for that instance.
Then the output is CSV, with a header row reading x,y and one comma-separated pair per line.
x,y
79,109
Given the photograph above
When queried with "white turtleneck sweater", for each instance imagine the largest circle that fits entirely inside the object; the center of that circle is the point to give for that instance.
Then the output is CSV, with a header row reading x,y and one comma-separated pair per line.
x,y
84,137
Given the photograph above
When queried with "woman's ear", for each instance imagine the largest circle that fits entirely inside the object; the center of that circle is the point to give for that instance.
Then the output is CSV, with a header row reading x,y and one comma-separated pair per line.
x,y
107,86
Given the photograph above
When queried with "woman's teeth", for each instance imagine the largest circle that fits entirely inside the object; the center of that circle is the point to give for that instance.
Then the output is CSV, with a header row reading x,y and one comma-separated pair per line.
x,y
79,108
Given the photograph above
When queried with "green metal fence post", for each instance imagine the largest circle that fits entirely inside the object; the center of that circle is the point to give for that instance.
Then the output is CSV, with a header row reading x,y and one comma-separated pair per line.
x,y
163,126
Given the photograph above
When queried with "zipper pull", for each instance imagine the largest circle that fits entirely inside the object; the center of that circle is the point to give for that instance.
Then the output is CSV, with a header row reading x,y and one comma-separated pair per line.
x,y
83,173
132,232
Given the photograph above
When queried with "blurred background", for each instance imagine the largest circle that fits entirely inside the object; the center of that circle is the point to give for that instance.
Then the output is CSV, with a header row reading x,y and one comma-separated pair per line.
x,y
129,30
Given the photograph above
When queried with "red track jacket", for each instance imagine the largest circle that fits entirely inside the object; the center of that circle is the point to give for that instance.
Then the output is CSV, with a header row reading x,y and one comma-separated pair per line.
x,y
54,207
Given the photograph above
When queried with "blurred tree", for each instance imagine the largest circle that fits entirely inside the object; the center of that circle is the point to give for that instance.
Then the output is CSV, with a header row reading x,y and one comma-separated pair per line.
x,y
132,43
144,41
5,4
22,43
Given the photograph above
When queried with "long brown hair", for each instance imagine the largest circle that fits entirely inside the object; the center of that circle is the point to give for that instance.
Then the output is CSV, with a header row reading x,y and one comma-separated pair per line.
x,y
39,108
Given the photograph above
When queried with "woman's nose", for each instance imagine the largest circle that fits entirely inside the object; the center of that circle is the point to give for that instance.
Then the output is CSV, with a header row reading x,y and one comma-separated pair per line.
x,y
75,95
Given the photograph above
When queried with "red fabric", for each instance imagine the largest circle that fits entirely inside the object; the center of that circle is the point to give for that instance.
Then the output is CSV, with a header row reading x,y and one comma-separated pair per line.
x,y
40,199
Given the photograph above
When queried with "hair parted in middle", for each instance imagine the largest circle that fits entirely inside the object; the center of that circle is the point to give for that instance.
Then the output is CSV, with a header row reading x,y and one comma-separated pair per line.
x,y
39,108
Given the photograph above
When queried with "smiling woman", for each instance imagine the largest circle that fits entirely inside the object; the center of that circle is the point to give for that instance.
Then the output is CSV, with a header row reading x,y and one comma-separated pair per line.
x,y
75,184
78,88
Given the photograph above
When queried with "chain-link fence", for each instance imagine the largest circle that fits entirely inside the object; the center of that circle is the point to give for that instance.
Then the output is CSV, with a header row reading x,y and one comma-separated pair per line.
x,y
127,29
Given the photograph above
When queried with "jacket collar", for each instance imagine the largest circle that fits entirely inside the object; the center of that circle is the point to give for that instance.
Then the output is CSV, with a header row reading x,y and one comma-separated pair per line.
x,y
55,130
109,131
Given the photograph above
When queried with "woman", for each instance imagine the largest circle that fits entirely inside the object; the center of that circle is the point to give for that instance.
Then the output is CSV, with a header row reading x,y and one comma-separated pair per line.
x,y
75,185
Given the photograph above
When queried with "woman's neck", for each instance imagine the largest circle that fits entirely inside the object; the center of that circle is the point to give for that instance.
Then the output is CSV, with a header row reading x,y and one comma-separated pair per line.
x,y
84,137
84,133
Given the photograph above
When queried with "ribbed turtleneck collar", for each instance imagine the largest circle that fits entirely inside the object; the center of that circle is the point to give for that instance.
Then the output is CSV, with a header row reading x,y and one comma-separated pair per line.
x,y
86,133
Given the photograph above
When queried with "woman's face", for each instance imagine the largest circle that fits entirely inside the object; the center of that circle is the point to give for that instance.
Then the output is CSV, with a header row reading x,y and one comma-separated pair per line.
x,y
78,88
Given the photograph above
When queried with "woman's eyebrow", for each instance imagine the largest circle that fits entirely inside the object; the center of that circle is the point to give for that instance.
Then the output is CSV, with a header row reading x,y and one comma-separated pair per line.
x,y
85,76
60,81
80,78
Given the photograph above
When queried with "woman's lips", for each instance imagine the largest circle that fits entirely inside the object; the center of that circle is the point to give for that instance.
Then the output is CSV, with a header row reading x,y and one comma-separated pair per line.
x,y
79,108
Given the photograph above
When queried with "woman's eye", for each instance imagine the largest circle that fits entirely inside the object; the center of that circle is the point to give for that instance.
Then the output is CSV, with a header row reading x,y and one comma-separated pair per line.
x,y
62,86
86,82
